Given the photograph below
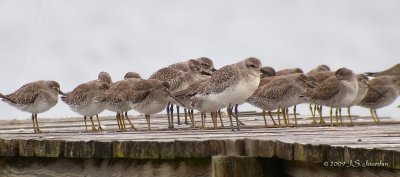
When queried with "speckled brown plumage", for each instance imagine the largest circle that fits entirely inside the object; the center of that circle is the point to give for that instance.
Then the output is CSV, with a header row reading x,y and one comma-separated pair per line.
x,y
288,71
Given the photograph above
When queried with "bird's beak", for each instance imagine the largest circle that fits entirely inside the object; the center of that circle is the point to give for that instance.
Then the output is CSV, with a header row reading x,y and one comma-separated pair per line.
x,y
263,71
60,92
205,73
176,99
213,70
4,97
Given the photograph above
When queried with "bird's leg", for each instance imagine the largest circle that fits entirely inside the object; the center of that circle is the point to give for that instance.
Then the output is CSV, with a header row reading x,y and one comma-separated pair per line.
x,y
269,113
237,118
295,116
179,116
202,119
118,117
340,116
287,116
127,118
186,121
330,116
98,121
229,110
372,114
376,116
172,115
284,116
220,118
321,120
37,124
93,127
148,121
215,120
191,118
279,118
351,120
336,116
312,114
33,122
265,120
84,117
169,116
123,122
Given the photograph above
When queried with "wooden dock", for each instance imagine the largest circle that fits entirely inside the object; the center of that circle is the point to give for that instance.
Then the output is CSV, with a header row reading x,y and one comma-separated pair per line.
x,y
65,149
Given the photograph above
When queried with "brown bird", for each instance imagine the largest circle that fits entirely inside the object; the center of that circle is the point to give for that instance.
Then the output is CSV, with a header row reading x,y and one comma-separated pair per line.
x,y
383,92
35,97
83,99
288,71
113,101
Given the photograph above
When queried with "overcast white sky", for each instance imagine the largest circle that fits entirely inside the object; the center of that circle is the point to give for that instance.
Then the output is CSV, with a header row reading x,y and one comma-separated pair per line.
x,y
72,41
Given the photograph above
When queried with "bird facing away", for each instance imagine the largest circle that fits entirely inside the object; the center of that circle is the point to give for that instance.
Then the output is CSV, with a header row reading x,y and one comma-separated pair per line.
x,y
230,85
383,91
393,71
83,98
319,68
336,92
35,97
148,97
113,101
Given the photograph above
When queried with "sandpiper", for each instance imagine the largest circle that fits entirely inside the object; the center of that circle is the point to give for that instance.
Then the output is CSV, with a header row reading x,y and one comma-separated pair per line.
x,y
319,68
393,71
35,97
336,92
113,101
383,91
148,97
281,93
83,99
179,80
232,84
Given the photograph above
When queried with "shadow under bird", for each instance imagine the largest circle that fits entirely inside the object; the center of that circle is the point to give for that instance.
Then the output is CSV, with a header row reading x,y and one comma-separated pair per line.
x,y
82,99
35,97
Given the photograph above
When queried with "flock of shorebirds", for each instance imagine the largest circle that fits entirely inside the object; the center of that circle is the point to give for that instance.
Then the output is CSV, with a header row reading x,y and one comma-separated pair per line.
x,y
196,85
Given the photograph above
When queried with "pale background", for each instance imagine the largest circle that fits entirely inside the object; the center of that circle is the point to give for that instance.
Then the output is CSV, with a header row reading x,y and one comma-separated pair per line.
x,y
71,41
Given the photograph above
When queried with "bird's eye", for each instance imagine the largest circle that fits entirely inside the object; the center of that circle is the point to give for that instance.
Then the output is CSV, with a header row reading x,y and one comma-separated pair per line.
x,y
205,65
253,66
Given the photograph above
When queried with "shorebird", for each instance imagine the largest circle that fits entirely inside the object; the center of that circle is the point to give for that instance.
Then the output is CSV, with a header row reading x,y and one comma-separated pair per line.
x,y
35,97
83,98
207,66
320,74
148,97
113,101
281,93
228,86
383,91
179,80
393,71
336,92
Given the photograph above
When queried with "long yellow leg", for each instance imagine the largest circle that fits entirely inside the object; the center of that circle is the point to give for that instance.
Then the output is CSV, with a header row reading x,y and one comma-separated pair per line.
x,y
33,122
191,116
372,114
351,120
93,127
98,121
270,115
330,115
340,116
279,119
202,119
265,120
118,117
336,116
312,113
321,120
148,121
295,116
376,116
84,117
284,116
130,122
37,124
220,118
123,121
